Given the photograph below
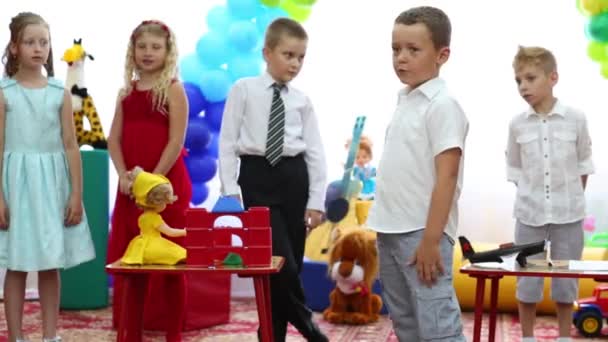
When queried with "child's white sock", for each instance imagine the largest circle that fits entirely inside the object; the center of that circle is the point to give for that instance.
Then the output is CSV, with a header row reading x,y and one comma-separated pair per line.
x,y
528,339
563,339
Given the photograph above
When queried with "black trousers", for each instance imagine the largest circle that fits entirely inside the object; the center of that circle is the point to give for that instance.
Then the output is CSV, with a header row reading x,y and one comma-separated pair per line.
x,y
284,189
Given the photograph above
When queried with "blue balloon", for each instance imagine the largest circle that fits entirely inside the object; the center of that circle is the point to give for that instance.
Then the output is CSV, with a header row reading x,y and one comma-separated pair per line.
x,y
197,136
215,85
213,115
200,192
266,16
219,19
212,49
333,192
191,69
201,168
196,100
245,66
214,145
243,35
242,9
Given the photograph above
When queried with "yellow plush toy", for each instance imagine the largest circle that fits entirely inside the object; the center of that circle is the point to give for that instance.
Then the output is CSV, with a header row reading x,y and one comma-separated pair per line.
x,y
152,193
82,102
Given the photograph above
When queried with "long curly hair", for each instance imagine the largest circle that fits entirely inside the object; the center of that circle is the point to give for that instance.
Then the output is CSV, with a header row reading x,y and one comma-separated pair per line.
x,y
16,27
160,89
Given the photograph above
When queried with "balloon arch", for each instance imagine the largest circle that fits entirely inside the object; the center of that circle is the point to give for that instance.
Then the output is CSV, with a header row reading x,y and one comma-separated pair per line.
x,y
596,30
231,49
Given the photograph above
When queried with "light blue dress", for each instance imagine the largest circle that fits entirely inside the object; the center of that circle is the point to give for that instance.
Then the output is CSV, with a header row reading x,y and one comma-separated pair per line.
x,y
36,183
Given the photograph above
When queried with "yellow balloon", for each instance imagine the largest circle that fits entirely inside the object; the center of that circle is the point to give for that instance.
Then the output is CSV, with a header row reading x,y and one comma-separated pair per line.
x,y
597,51
297,12
271,3
604,69
593,7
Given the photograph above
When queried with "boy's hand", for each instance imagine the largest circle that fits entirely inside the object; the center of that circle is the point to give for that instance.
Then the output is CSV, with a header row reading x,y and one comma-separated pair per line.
x,y
312,218
73,211
3,215
428,262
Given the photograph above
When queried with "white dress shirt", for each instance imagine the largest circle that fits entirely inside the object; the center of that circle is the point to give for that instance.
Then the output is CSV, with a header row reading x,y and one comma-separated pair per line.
x,y
426,122
546,157
244,128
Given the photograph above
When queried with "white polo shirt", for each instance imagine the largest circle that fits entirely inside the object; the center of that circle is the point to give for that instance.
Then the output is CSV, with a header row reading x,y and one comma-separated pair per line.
x,y
427,121
546,157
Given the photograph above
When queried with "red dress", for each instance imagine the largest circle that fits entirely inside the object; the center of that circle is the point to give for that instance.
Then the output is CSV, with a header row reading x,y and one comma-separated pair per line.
x,y
145,134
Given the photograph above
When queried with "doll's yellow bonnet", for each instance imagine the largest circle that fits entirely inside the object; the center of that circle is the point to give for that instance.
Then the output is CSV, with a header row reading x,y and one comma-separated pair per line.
x,y
144,182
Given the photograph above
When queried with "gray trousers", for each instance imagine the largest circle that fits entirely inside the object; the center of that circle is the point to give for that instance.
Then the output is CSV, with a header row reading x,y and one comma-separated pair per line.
x,y
418,312
567,242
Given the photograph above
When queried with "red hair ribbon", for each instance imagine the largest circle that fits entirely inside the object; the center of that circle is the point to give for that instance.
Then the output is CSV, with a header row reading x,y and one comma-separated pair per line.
x,y
162,25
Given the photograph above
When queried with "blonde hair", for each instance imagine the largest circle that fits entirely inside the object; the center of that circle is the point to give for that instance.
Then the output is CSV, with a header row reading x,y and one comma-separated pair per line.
x,y
365,144
283,27
160,89
16,27
535,56
158,195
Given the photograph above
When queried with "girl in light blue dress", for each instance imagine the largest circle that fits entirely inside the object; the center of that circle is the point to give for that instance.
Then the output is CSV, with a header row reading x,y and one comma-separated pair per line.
x,y
43,226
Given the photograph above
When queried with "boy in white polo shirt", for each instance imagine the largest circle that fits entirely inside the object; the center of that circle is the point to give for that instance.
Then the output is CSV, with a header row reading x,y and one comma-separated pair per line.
x,y
418,184
548,158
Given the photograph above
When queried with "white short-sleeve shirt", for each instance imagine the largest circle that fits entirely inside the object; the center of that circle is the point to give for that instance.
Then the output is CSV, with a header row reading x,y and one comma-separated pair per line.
x,y
426,122
546,157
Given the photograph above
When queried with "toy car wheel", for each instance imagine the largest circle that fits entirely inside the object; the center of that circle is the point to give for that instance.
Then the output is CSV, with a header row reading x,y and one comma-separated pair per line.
x,y
589,324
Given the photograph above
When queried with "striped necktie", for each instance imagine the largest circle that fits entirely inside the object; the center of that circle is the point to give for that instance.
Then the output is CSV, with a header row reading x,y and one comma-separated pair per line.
x,y
276,127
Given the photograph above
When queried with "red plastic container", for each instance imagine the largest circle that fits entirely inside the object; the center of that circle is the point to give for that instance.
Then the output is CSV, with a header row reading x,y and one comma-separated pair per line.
x,y
208,244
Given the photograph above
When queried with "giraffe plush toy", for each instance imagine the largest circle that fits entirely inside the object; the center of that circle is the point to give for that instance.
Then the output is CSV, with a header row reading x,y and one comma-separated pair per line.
x,y
82,102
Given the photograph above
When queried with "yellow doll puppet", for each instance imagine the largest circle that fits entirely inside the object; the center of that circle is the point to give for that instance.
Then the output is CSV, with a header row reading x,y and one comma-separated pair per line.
x,y
152,193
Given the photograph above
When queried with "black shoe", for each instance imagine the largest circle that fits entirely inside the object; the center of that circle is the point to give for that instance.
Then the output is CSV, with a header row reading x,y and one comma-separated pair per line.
x,y
316,335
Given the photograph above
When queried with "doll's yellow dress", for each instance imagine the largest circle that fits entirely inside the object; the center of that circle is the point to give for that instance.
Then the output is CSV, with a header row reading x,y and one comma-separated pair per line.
x,y
150,247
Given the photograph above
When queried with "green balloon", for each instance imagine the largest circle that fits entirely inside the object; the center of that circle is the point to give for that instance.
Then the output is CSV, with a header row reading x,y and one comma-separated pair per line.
x,y
271,3
597,27
304,2
296,12
597,51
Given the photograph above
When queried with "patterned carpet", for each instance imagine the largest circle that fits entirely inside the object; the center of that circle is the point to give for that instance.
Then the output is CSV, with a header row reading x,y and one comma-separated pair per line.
x,y
92,326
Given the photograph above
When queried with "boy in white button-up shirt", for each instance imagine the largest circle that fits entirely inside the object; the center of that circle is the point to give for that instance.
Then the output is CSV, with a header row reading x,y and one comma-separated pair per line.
x,y
418,184
548,158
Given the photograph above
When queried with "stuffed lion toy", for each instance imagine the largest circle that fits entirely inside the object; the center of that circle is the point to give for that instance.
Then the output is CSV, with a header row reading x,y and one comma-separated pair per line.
x,y
353,264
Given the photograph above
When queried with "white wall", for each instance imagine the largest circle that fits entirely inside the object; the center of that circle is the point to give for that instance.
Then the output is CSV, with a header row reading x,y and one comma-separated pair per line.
x,y
348,73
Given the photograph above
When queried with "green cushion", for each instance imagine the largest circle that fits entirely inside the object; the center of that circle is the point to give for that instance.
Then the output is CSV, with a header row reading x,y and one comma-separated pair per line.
x,y
86,286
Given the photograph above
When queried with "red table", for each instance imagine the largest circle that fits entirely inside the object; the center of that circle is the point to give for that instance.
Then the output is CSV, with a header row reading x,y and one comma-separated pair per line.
x,y
135,279
494,274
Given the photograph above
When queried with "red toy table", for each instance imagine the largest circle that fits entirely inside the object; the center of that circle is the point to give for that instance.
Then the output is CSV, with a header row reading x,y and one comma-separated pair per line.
x,y
130,326
495,275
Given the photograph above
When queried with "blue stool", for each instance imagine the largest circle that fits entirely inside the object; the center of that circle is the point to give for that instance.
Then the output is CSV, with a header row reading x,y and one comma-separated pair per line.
x,y
317,286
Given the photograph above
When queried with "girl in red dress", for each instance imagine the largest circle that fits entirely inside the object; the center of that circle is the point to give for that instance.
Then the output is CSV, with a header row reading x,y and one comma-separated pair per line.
x,y
148,130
